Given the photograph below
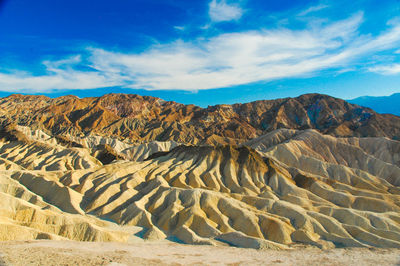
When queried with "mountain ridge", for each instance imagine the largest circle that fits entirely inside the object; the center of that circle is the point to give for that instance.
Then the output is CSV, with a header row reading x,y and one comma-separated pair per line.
x,y
145,118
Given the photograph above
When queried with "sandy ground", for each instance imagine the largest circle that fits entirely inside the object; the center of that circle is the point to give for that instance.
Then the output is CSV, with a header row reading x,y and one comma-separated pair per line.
x,y
169,253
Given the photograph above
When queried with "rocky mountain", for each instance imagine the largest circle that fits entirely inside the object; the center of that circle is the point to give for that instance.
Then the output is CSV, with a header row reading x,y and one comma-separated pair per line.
x,y
143,119
284,189
383,104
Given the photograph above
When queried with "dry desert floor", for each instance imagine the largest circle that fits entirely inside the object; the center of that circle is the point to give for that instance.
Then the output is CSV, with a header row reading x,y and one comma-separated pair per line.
x,y
45,252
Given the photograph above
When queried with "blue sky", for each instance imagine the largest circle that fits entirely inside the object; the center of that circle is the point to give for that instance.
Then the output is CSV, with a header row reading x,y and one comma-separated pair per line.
x,y
203,52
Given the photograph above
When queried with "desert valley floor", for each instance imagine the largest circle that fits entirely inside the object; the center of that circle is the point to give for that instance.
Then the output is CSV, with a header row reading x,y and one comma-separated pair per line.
x,y
45,252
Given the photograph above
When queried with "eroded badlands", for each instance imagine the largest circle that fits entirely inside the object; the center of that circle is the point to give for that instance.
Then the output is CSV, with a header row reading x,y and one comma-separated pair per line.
x,y
285,189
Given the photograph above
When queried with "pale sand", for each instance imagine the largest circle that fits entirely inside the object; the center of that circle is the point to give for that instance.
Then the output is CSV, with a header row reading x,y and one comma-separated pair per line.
x,y
44,252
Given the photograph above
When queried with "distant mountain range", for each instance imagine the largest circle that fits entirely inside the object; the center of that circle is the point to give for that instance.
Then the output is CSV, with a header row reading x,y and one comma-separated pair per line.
x,y
384,104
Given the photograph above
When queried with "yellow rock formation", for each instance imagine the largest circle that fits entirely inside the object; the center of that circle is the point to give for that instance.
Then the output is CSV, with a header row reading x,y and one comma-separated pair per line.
x,y
294,187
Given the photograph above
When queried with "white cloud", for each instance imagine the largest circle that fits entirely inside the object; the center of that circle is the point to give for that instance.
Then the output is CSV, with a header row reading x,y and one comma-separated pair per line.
x,y
220,11
179,28
59,75
313,9
221,61
21,82
386,69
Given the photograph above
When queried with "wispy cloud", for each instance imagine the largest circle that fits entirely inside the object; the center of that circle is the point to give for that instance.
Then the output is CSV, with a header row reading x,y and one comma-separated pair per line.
x,y
179,28
392,69
224,60
60,75
220,10
312,9
24,82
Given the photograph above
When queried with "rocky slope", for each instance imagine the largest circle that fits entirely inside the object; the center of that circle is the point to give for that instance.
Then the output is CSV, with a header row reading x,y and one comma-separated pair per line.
x,y
144,119
294,188
342,159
